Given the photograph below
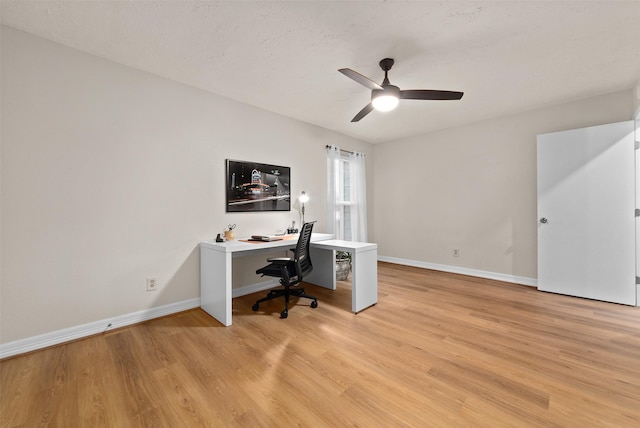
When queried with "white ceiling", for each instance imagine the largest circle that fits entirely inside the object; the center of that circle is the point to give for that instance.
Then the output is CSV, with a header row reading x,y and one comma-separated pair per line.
x,y
507,56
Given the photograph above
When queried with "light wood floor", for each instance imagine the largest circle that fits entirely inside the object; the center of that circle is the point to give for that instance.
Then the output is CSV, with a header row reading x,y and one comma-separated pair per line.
x,y
437,350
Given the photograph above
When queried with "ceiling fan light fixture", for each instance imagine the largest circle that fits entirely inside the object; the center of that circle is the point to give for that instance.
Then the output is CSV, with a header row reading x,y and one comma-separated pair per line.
x,y
386,99
385,102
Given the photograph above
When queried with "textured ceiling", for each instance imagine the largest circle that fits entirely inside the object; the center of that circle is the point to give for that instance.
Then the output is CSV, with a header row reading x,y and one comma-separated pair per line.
x,y
283,57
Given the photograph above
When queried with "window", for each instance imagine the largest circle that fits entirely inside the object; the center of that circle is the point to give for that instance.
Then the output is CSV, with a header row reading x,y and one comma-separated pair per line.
x,y
343,200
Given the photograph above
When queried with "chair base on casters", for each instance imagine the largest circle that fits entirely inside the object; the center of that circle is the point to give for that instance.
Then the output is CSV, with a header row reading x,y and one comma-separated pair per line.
x,y
286,293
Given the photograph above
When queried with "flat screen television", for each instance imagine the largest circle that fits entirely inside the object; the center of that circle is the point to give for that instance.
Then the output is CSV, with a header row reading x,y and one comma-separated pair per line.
x,y
253,186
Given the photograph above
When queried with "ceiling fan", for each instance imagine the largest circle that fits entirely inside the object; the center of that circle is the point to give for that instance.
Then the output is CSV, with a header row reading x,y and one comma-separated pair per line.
x,y
385,97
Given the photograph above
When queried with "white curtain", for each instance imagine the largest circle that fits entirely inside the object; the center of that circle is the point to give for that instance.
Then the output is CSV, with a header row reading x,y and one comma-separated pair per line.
x,y
346,195
358,197
333,181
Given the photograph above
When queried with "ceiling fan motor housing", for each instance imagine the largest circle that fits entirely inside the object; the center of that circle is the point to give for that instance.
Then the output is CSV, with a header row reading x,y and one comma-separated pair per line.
x,y
388,90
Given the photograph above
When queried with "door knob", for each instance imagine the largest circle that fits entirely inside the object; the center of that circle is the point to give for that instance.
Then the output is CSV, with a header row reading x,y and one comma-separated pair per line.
x,y
543,220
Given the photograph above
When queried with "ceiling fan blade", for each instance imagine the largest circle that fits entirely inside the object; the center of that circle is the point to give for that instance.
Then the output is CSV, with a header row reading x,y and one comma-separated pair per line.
x,y
365,111
365,81
430,94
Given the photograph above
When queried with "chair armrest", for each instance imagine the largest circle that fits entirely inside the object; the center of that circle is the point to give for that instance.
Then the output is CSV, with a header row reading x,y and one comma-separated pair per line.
x,y
279,260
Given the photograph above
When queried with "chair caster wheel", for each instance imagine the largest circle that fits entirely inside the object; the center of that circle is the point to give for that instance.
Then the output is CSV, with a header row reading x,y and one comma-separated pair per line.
x,y
255,307
284,314
314,304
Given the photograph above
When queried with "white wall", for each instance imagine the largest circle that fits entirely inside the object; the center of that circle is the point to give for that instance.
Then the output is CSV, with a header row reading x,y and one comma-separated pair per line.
x,y
110,175
636,99
474,188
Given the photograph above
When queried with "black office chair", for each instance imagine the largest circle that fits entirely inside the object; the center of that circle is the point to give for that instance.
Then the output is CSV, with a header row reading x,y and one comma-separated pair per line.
x,y
290,270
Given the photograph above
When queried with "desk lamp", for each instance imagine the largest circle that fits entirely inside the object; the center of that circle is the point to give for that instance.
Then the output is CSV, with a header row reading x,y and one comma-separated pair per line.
x,y
303,198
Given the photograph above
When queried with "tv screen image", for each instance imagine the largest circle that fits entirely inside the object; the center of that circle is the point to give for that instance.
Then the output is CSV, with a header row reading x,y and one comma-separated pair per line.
x,y
253,186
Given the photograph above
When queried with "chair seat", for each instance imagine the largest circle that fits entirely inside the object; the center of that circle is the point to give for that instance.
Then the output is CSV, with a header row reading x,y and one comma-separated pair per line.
x,y
275,269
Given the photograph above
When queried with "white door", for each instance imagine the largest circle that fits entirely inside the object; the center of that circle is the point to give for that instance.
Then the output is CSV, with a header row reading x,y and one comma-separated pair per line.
x,y
586,213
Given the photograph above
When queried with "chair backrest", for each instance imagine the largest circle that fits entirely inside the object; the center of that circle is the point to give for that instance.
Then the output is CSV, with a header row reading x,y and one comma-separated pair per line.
x,y
301,257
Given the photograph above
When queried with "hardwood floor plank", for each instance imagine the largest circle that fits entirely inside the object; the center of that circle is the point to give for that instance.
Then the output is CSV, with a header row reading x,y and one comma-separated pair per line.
x,y
131,372
178,389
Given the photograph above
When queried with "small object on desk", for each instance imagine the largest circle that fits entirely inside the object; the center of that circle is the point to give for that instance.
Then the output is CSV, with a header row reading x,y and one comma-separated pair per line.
x,y
228,233
264,238
219,239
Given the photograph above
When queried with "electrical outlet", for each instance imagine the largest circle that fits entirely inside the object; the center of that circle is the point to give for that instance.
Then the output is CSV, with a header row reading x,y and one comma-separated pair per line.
x,y
152,284
456,252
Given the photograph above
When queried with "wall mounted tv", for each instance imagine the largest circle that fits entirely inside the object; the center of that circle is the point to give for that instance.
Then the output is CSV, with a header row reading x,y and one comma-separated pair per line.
x,y
253,186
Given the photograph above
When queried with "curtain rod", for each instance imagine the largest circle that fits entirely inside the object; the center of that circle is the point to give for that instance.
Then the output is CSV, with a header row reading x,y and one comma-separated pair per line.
x,y
342,150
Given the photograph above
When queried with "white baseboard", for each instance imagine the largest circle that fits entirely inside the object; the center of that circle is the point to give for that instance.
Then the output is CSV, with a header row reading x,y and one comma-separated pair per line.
x,y
532,282
78,332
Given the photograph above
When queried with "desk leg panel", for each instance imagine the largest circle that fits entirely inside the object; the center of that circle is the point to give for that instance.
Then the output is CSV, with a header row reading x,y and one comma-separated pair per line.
x,y
215,284
324,268
364,280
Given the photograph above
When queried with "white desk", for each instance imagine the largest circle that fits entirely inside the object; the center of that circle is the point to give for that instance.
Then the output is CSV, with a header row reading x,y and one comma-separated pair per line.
x,y
216,267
